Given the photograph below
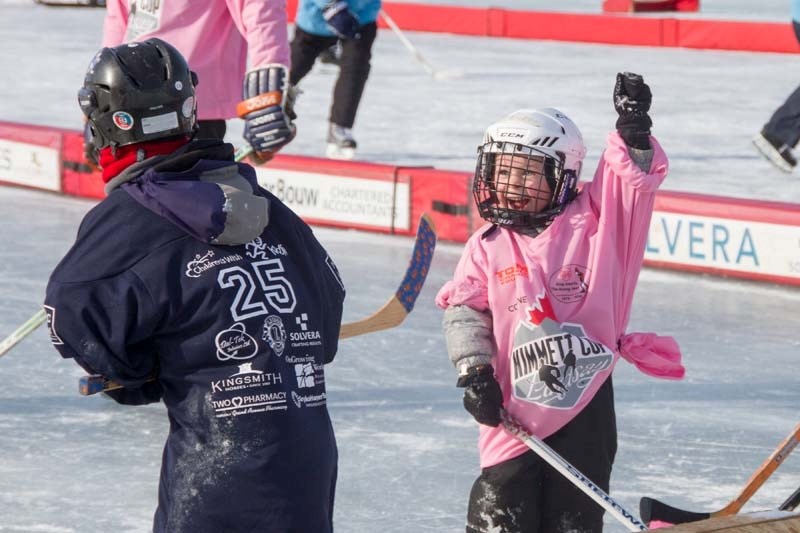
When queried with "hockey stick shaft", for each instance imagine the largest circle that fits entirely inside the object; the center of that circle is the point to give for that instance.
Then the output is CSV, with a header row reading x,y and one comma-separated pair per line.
x,y
791,502
410,47
392,314
566,469
23,331
653,509
39,318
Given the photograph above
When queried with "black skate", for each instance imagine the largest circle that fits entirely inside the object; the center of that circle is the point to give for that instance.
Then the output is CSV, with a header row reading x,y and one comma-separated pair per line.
x,y
341,144
776,152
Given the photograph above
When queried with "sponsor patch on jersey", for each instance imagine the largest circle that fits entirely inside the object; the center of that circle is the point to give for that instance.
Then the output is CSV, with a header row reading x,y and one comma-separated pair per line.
x,y
201,263
509,274
553,364
123,120
275,334
570,283
235,343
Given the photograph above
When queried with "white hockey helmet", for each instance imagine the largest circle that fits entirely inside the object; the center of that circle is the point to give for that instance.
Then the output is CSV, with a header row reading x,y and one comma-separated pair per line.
x,y
545,134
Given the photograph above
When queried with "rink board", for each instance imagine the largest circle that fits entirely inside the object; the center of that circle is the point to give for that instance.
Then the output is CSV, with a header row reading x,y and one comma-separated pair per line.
x,y
761,522
666,30
746,239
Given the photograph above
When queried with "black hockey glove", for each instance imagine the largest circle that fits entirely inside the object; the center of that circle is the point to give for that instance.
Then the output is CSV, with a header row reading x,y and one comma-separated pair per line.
x,y
341,20
483,398
267,108
632,100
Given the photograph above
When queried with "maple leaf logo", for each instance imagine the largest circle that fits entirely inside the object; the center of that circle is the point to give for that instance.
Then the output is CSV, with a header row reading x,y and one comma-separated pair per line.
x,y
541,309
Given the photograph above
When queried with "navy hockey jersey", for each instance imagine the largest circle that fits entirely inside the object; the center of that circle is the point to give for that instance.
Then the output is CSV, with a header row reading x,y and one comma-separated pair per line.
x,y
190,273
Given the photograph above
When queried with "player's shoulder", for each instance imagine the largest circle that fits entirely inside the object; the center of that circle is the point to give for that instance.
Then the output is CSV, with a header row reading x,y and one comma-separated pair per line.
x,y
114,235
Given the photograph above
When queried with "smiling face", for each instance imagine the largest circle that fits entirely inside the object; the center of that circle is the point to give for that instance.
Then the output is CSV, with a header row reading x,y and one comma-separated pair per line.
x,y
520,184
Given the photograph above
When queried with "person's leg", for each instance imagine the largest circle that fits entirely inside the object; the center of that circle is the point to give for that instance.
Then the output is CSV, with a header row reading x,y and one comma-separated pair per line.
x,y
784,125
211,129
354,67
505,497
589,443
305,48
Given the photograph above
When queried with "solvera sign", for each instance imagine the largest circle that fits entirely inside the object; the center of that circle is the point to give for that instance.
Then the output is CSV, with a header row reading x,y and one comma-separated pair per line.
x,y
763,249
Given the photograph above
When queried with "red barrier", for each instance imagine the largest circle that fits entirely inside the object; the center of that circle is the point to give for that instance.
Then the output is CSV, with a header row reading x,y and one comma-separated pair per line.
x,y
603,28
697,233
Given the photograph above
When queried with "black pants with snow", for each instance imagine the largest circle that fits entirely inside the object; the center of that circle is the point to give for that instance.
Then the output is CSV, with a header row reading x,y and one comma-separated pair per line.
x,y
784,126
354,68
526,495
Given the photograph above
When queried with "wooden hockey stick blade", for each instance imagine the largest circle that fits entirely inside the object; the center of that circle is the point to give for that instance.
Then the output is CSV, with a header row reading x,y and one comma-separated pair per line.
x,y
791,502
390,315
23,331
40,317
651,509
563,467
402,302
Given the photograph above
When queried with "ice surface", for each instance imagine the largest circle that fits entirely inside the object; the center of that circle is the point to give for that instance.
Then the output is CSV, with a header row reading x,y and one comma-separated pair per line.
x,y
408,450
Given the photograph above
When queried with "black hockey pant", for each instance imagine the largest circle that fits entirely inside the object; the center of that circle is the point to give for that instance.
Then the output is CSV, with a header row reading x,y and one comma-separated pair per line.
x,y
784,126
526,495
354,68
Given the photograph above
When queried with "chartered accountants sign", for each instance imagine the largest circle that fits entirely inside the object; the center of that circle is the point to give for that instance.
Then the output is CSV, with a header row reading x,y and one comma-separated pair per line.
x,y
341,200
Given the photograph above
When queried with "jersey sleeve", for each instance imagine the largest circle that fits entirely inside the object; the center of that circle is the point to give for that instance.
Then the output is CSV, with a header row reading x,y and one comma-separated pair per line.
x,y
107,326
263,24
116,22
622,195
331,290
469,285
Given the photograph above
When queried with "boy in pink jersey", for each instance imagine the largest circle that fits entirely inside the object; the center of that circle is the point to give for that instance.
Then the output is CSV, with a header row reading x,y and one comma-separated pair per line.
x,y
535,315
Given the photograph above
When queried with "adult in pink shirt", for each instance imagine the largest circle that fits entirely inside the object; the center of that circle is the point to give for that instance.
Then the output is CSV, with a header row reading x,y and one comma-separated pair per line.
x,y
238,48
536,313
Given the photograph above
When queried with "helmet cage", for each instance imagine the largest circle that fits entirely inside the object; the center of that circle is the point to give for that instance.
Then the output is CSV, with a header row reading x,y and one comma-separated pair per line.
x,y
496,163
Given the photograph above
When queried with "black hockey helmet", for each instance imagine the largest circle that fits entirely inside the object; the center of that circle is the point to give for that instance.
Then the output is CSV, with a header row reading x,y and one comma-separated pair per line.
x,y
138,92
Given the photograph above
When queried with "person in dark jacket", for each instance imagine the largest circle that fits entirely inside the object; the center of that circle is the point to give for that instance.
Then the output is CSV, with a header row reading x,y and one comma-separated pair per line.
x,y
350,25
191,284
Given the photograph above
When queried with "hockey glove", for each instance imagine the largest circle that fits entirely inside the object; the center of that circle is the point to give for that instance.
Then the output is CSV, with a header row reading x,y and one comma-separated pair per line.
x,y
341,20
268,110
632,100
483,398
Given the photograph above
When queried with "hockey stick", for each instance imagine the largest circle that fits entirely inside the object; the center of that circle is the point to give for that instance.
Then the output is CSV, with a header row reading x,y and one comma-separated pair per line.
x,y
410,47
436,74
390,315
39,318
651,509
23,331
791,502
573,474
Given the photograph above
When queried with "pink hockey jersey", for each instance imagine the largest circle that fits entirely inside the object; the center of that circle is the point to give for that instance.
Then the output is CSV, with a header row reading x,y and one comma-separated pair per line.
x,y
560,302
218,38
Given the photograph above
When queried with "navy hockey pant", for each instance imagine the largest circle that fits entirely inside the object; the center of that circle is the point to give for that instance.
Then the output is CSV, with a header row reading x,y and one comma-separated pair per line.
x,y
354,68
784,126
526,495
